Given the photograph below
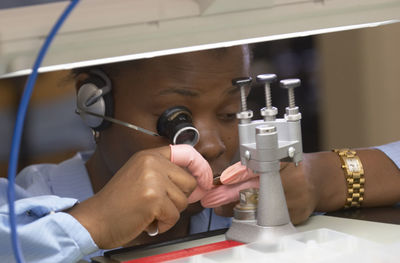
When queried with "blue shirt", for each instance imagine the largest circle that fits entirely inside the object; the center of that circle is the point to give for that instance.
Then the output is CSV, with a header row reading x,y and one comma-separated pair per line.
x,y
48,235
392,150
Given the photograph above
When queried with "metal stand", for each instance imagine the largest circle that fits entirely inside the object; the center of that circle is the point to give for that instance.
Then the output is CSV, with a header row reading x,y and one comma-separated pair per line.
x,y
263,144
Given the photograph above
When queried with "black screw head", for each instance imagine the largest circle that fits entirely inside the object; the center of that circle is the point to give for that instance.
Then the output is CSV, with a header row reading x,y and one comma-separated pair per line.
x,y
242,81
266,78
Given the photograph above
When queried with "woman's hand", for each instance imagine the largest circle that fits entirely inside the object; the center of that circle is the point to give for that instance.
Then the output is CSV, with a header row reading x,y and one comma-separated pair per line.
x,y
148,187
298,183
300,191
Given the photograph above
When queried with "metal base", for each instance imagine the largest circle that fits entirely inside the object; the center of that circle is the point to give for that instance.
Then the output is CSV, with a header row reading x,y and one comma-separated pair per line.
x,y
247,231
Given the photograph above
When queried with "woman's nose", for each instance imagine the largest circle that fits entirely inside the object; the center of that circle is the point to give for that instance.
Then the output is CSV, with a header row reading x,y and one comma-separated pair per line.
x,y
210,145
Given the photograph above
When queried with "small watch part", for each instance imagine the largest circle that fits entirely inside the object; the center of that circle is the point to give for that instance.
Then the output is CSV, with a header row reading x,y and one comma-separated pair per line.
x,y
247,207
217,180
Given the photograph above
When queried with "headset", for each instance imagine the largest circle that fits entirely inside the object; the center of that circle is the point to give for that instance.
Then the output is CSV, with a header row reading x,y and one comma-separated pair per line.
x,y
94,96
95,106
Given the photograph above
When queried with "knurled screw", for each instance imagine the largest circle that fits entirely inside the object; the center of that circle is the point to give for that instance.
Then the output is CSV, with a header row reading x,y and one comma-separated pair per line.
x,y
241,83
290,84
267,79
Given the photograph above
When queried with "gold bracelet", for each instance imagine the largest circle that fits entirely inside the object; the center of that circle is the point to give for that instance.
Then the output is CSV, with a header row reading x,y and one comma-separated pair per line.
x,y
354,172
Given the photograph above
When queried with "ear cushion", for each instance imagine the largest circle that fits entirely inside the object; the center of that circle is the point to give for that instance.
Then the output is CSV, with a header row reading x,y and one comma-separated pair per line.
x,y
104,106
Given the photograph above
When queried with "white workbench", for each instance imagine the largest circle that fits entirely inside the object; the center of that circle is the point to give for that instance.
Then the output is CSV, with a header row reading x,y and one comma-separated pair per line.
x,y
359,234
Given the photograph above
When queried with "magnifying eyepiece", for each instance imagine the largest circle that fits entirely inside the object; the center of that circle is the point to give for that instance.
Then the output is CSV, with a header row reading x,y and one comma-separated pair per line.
x,y
176,124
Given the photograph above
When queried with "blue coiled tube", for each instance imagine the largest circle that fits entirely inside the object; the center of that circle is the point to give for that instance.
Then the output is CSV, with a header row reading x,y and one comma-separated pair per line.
x,y
19,126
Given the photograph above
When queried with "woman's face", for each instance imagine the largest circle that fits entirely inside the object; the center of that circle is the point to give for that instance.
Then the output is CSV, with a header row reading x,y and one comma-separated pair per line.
x,y
200,81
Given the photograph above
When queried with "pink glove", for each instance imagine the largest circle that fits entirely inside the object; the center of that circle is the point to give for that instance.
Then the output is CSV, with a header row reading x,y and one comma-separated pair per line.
x,y
235,178
187,157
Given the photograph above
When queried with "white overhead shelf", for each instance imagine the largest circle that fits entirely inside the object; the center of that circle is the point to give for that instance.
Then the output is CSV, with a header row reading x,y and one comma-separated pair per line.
x,y
101,31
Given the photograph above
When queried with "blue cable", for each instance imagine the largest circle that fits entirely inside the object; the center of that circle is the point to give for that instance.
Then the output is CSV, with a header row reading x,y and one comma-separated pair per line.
x,y
18,129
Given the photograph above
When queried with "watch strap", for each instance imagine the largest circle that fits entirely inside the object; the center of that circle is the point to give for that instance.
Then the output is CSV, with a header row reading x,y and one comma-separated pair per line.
x,y
354,178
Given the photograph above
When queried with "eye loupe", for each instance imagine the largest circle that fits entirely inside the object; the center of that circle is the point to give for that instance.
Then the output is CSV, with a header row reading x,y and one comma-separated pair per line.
x,y
176,124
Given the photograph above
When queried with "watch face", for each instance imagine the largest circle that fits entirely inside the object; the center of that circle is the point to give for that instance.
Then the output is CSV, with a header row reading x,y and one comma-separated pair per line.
x,y
353,165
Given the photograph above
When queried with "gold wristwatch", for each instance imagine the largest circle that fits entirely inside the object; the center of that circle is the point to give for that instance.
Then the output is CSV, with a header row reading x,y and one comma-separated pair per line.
x,y
354,172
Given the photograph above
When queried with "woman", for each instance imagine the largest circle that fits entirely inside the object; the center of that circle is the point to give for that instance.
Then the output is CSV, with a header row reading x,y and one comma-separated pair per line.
x,y
129,182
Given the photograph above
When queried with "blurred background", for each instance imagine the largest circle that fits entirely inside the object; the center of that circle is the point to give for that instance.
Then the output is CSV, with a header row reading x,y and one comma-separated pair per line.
x,y
349,96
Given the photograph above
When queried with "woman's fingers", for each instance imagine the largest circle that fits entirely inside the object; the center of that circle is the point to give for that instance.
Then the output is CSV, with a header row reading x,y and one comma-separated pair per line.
x,y
226,194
